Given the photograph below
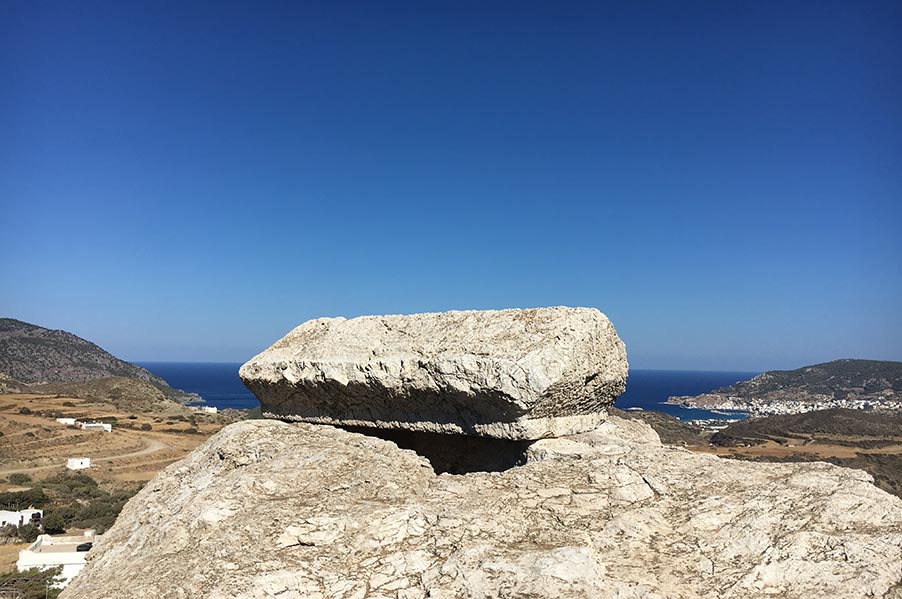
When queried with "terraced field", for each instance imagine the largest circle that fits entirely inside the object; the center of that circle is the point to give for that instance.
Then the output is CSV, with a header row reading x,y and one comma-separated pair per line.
x,y
32,441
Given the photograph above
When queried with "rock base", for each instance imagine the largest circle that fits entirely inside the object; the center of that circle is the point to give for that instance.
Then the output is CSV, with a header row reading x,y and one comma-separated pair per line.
x,y
268,509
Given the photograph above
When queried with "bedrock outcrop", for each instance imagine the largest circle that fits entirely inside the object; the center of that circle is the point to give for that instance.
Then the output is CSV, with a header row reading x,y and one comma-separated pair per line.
x,y
509,374
269,509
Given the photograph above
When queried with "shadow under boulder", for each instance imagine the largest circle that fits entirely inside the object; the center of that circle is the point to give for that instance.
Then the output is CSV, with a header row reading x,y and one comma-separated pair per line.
x,y
454,454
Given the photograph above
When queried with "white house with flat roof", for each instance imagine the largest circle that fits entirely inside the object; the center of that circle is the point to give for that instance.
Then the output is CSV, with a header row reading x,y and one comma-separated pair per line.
x,y
95,426
66,421
49,552
78,463
21,517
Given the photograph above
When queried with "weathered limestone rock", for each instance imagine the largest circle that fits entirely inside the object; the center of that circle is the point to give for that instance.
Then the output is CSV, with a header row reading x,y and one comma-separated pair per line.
x,y
510,374
270,509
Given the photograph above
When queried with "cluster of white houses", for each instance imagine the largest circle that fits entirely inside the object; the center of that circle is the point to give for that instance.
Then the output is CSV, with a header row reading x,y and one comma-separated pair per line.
x,y
86,426
48,551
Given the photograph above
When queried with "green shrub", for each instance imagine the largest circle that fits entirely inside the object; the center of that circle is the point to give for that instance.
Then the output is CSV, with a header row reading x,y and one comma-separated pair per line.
x,y
18,478
78,502
73,486
28,532
24,411
33,583
146,427
53,522
20,500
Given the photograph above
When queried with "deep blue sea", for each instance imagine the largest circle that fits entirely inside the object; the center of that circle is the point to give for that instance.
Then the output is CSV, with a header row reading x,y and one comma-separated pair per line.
x,y
648,389
218,383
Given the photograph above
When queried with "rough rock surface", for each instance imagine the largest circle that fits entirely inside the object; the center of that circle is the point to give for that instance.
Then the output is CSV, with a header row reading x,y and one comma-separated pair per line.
x,y
291,510
510,374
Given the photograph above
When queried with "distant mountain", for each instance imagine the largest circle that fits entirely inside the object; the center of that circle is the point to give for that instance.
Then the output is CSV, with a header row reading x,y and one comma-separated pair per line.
x,y
868,384
34,355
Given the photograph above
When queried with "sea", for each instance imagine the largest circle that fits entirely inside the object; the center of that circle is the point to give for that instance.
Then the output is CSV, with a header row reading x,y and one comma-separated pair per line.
x,y
219,385
649,389
216,382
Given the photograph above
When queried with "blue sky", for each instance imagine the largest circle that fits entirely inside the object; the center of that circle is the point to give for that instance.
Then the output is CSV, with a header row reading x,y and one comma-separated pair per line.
x,y
723,179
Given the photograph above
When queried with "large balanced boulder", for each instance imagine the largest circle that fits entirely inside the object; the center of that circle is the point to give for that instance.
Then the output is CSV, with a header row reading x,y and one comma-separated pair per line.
x,y
269,509
509,374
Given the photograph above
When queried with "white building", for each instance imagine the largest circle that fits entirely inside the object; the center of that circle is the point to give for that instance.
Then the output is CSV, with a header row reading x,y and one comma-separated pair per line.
x,y
66,421
78,463
95,426
49,552
207,409
21,517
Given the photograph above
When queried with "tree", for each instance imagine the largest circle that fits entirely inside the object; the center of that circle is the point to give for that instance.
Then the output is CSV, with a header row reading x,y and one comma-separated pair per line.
x,y
54,523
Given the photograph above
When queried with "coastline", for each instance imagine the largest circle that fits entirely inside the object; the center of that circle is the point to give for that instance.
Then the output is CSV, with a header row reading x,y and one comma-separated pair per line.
x,y
760,407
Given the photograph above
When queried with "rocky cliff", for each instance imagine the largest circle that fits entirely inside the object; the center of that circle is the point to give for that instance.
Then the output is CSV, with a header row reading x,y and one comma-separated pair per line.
x,y
293,510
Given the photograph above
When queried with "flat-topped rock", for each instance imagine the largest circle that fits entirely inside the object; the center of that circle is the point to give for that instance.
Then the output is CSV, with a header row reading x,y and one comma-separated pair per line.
x,y
510,374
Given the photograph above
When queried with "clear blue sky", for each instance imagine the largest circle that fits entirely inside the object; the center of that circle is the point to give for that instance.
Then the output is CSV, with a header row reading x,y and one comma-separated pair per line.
x,y
723,179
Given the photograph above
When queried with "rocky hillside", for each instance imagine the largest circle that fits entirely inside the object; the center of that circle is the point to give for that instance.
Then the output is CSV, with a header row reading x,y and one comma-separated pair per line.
x,y
31,354
442,491
857,384
272,509
125,394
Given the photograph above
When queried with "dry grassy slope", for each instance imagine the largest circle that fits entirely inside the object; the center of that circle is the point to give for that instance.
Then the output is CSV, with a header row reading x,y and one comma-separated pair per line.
x,y
8,556
126,394
856,423
36,444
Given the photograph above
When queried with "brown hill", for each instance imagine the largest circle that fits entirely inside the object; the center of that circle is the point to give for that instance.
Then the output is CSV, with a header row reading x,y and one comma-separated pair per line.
x,y
31,354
